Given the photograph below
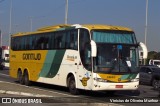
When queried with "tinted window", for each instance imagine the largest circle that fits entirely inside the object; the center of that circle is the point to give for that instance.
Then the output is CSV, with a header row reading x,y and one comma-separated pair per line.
x,y
143,69
157,70
44,41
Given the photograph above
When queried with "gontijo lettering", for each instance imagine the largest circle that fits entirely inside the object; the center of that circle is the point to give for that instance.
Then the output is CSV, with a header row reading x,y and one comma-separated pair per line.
x,y
31,56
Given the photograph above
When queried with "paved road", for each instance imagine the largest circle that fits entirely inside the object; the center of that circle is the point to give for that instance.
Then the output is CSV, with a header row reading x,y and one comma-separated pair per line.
x,y
56,92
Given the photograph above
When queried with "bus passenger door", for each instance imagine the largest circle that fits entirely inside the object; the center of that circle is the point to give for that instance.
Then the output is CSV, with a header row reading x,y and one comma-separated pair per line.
x,y
84,70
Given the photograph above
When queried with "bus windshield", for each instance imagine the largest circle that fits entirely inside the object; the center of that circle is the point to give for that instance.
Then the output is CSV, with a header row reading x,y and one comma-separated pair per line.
x,y
116,53
124,37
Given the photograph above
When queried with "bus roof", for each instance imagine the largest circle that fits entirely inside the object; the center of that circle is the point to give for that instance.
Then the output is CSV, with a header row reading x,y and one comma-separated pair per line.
x,y
106,27
63,27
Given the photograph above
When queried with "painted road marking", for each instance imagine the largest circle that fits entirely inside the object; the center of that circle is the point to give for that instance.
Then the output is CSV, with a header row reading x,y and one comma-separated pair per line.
x,y
4,75
23,94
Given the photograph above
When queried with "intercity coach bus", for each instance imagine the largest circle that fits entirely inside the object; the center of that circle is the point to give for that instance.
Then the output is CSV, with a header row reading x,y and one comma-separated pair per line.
x,y
87,57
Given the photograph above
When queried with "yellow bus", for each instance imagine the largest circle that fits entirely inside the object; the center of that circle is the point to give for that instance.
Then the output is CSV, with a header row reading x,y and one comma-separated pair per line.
x,y
87,57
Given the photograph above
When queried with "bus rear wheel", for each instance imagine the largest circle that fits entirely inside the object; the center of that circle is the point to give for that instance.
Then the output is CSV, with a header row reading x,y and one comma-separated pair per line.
x,y
20,77
72,85
26,79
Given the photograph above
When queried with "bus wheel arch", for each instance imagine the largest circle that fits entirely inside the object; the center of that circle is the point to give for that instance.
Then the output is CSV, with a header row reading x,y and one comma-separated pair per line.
x,y
26,75
71,84
20,76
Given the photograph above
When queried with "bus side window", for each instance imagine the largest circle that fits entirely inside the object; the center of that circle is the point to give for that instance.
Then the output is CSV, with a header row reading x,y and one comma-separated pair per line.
x,y
45,43
33,45
39,41
28,47
13,43
73,40
67,42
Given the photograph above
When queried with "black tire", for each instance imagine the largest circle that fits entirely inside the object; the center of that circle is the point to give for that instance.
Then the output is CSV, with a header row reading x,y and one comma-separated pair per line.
x,y
27,82
1,67
140,83
20,77
72,86
110,93
155,84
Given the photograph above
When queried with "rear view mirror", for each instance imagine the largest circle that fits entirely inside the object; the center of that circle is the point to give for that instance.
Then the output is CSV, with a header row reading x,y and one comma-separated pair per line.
x,y
144,49
93,49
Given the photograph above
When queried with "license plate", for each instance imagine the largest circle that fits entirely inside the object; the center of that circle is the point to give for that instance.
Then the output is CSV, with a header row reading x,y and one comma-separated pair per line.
x,y
119,86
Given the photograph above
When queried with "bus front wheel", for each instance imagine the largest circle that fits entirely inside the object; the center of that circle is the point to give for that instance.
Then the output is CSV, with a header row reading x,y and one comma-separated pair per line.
x,y
72,85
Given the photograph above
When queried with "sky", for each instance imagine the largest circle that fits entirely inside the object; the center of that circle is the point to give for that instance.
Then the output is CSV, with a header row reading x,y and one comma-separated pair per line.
x,y
128,13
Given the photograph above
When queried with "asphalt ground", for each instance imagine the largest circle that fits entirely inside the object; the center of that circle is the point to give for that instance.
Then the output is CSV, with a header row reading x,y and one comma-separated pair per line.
x,y
60,96
15,91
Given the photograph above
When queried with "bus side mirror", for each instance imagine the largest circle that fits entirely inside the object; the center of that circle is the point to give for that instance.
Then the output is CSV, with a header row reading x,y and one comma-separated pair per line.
x,y
93,49
144,50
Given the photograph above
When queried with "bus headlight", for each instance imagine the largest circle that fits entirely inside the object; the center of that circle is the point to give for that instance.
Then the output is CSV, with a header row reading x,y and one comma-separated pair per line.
x,y
100,80
135,80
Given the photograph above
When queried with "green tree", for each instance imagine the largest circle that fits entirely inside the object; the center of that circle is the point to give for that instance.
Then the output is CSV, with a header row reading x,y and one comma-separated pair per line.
x,y
157,56
152,55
